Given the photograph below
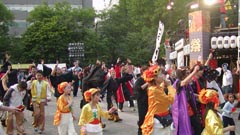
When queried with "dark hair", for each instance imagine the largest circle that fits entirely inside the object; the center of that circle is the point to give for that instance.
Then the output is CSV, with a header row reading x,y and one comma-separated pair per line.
x,y
22,84
40,72
209,106
181,73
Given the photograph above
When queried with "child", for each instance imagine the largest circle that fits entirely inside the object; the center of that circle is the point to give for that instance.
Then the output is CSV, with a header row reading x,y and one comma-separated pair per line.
x,y
63,118
228,109
213,122
91,113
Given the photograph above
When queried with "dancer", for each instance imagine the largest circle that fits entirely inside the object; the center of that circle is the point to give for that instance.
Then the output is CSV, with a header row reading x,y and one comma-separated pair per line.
x,y
227,115
91,113
184,109
158,119
64,116
213,122
14,97
140,87
40,92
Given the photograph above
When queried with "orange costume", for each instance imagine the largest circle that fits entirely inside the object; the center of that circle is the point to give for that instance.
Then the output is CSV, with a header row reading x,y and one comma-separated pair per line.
x,y
63,118
158,101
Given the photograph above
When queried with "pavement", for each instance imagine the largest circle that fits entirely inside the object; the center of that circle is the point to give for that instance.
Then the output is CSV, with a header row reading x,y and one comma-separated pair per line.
x,y
126,127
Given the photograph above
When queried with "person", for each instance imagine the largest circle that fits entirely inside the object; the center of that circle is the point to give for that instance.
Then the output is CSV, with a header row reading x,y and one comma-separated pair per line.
x,y
91,113
184,109
223,12
64,116
40,95
15,97
227,114
140,88
123,92
158,119
227,79
57,77
213,122
9,109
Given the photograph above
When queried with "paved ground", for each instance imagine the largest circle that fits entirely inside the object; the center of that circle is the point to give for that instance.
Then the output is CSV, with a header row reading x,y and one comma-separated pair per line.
x,y
126,127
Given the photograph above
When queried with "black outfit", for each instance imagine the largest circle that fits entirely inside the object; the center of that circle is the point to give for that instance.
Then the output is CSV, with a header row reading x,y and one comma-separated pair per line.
x,y
94,79
111,85
142,101
228,121
55,80
75,85
126,92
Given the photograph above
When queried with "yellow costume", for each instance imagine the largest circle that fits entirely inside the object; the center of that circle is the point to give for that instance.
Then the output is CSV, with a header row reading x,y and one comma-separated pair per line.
x,y
61,108
158,103
63,118
213,124
87,114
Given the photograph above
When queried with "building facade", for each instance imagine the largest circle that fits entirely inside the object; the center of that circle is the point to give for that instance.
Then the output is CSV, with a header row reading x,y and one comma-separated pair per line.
x,y
21,9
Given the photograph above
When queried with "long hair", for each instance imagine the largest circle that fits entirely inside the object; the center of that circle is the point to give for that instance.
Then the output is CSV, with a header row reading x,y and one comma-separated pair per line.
x,y
210,106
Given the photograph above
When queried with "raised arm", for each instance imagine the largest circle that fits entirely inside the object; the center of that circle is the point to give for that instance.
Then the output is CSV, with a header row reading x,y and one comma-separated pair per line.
x,y
189,77
210,56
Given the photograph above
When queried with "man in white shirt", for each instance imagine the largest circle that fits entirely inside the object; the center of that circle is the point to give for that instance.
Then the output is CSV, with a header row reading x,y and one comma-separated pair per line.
x,y
227,79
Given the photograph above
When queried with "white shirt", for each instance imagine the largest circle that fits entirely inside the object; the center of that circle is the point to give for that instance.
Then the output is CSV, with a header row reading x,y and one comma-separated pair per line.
x,y
16,96
227,78
39,89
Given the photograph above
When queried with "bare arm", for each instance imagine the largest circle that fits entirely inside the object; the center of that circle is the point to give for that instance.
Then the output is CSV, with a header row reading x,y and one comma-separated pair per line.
x,y
189,77
53,73
144,86
208,60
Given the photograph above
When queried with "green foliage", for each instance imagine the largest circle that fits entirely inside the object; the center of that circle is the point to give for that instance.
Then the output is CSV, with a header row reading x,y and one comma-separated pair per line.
x,y
130,29
52,28
6,18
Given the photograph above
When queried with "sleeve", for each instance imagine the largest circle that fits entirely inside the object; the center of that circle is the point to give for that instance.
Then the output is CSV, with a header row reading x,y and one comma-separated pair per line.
x,y
213,123
61,105
6,98
49,94
102,113
46,71
227,108
105,85
83,117
68,76
171,92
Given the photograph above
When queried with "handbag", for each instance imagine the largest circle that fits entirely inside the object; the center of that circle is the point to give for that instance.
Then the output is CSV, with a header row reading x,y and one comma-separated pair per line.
x,y
164,120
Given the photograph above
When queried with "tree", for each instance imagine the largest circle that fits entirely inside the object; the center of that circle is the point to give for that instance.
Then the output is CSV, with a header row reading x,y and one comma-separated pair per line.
x,y
129,30
6,18
52,28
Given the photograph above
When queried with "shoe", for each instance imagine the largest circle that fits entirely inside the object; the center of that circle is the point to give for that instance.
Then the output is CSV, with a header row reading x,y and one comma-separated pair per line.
x,y
133,109
36,129
103,125
3,123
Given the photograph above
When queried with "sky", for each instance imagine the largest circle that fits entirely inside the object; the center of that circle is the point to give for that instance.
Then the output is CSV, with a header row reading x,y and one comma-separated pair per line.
x,y
98,4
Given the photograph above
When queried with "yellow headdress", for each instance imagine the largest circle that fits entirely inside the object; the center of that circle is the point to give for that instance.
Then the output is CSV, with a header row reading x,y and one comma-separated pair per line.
x,y
150,73
89,93
208,95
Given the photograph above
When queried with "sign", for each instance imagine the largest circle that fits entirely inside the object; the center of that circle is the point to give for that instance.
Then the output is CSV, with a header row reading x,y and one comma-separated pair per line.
x,y
179,44
158,41
195,45
180,59
173,55
52,66
186,49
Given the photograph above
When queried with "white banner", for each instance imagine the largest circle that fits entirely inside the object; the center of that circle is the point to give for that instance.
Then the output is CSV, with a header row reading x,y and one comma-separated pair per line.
x,y
158,41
